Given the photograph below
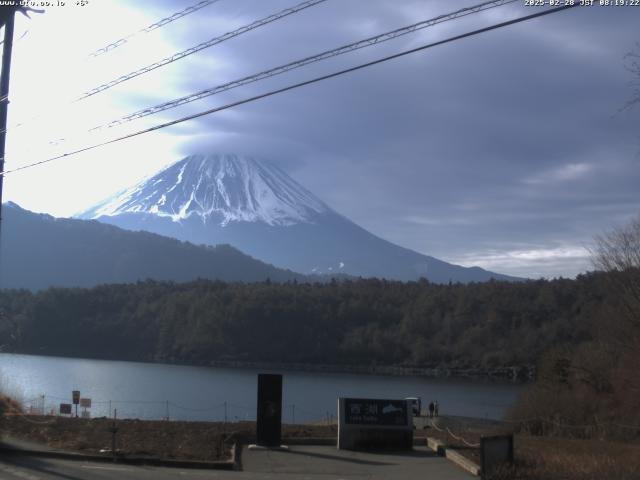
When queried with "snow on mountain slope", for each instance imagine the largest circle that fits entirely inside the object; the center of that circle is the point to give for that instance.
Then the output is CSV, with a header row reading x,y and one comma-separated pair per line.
x,y
257,208
218,188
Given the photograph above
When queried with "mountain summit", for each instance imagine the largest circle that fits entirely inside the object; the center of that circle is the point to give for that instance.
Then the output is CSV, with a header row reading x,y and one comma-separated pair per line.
x,y
259,209
218,189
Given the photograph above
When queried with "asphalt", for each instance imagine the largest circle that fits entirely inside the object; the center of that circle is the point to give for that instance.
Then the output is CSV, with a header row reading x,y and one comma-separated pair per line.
x,y
20,467
300,462
33,461
325,462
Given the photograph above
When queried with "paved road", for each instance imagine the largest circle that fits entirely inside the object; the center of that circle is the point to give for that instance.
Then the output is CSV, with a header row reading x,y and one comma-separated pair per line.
x,y
320,463
299,463
13,467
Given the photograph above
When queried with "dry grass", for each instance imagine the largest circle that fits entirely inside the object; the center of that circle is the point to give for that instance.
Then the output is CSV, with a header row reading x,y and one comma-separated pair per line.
x,y
552,458
172,440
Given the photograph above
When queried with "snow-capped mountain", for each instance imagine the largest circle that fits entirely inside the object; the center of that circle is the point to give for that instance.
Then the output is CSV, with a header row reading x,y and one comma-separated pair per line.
x,y
217,188
259,209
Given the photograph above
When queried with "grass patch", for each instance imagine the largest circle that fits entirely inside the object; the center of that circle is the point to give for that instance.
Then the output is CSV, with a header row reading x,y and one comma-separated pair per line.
x,y
159,439
551,457
567,458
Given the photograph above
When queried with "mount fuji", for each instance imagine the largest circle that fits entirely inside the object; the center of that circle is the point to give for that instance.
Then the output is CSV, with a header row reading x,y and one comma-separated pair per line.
x,y
259,209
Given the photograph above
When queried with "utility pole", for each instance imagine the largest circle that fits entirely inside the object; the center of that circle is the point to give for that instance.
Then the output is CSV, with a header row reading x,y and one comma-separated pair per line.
x,y
7,46
4,94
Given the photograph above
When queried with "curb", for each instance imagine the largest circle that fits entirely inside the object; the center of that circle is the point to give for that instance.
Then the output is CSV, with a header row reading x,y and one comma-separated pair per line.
x,y
230,464
322,441
463,462
441,449
437,446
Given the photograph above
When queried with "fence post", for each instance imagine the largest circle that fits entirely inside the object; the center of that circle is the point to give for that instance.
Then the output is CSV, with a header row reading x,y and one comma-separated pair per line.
x,y
114,431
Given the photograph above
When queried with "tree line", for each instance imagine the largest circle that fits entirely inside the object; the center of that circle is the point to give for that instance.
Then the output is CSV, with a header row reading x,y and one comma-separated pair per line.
x,y
351,322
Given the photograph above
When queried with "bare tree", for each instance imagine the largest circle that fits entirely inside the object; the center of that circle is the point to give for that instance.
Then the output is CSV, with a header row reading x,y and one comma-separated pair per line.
x,y
619,249
618,252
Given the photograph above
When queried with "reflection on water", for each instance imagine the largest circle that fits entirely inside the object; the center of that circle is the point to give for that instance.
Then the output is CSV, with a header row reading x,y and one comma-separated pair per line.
x,y
154,391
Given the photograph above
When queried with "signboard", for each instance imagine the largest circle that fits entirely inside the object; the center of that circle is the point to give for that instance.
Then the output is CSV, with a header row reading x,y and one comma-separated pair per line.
x,y
362,411
374,424
269,415
65,409
85,402
76,396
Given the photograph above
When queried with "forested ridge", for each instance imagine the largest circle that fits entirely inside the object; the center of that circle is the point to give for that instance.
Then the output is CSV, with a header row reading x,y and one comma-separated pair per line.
x,y
354,322
40,251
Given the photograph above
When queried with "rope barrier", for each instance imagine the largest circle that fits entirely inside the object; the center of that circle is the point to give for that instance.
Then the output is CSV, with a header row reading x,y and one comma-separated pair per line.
x,y
539,419
433,424
460,439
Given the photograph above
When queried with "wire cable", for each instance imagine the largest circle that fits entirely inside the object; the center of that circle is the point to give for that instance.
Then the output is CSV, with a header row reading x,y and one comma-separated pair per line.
x,y
153,26
209,43
302,62
190,409
294,86
383,37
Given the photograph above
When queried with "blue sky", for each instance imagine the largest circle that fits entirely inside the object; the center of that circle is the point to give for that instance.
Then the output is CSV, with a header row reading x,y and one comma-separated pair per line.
x,y
507,150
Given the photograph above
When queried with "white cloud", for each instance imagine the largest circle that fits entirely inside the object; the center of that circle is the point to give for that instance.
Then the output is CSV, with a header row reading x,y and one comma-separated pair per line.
x,y
564,173
534,262
433,221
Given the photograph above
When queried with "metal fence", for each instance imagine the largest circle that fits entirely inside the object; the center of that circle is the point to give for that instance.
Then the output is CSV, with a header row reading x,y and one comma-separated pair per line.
x,y
49,405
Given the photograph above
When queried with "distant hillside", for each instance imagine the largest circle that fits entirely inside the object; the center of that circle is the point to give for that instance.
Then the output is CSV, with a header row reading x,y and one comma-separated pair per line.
x,y
39,251
258,208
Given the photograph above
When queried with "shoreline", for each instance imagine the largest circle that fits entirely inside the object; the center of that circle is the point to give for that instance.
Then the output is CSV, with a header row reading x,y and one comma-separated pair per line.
x,y
515,373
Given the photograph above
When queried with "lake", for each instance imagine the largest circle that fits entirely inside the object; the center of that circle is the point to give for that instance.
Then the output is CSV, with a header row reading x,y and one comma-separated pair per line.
x,y
155,391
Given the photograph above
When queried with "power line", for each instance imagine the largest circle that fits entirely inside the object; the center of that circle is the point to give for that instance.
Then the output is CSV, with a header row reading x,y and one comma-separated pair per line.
x,y
209,43
153,26
180,55
374,40
383,37
294,86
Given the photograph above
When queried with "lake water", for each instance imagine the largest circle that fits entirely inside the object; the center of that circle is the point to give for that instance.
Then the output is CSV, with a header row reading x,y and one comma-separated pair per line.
x,y
153,391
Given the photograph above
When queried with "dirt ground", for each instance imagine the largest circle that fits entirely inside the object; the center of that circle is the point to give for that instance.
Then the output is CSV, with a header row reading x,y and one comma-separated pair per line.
x,y
161,439
546,457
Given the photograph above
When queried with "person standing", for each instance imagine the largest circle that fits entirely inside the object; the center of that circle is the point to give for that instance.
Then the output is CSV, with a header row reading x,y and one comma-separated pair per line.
x,y
431,409
435,408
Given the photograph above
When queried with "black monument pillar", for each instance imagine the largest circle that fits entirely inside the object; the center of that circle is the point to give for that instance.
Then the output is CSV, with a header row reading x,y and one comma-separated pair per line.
x,y
269,416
